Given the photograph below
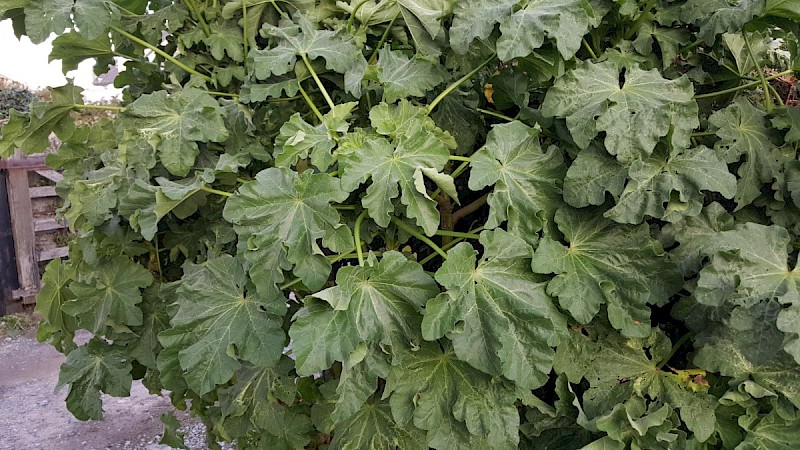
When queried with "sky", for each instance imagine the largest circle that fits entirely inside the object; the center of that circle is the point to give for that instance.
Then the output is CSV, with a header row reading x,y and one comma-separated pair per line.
x,y
26,63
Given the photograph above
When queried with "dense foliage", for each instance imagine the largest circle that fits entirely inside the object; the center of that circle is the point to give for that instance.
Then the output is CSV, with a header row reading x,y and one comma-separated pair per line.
x,y
481,224
14,97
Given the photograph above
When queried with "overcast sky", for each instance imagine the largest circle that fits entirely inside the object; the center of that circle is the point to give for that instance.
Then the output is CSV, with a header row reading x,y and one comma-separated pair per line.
x,y
26,63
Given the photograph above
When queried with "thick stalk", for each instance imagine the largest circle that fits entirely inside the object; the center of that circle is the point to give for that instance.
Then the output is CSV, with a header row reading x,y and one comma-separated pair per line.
x,y
222,94
674,350
399,224
357,237
748,85
161,53
469,209
384,36
317,80
193,9
768,105
447,246
215,191
460,158
457,234
245,37
308,100
458,83
100,107
589,49
643,16
496,114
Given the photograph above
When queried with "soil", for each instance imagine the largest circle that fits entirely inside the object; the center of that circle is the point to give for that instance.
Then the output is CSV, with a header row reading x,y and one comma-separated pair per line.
x,y
33,416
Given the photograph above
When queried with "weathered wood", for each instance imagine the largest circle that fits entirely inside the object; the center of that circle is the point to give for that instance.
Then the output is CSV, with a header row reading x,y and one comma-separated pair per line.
x,y
19,202
22,293
51,175
53,253
43,191
28,162
48,225
8,266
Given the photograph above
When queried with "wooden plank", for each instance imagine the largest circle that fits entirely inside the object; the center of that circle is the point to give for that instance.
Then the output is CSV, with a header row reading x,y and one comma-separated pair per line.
x,y
19,203
22,293
51,175
8,266
53,253
43,191
29,162
48,225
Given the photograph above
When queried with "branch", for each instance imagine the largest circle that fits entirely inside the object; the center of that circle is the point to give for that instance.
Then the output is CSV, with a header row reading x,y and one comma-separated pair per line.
x,y
469,209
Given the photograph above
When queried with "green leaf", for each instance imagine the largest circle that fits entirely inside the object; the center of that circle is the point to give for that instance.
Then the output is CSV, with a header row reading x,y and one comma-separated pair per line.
x,y
72,48
634,114
669,40
619,266
458,406
55,326
288,213
337,48
93,18
109,297
298,139
32,133
225,323
668,186
174,124
415,144
381,303
171,437
694,235
373,427
226,39
90,369
402,77
757,269
496,313
593,173
476,19
429,13
742,131
43,17
788,118
566,22
321,335
527,181
770,431
720,16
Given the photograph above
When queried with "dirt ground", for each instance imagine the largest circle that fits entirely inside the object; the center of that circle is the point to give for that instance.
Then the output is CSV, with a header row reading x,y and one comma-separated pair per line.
x,y
32,416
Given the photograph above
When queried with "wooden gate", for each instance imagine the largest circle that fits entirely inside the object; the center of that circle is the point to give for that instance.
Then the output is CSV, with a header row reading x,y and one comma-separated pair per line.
x,y
27,224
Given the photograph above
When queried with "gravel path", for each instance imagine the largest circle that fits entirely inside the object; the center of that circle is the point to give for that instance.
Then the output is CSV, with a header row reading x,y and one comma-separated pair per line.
x,y
33,417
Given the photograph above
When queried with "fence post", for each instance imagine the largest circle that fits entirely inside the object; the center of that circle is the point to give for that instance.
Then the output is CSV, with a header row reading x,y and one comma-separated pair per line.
x,y
8,267
19,202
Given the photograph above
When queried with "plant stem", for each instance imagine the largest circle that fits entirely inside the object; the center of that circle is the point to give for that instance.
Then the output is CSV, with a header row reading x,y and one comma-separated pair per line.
x,y
457,234
245,37
644,15
458,83
496,114
399,224
308,100
674,350
385,36
317,80
691,46
460,158
100,107
278,8
161,53
357,237
768,105
776,94
589,49
222,94
215,191
748,85
193,8
704,133
471,208
345,207
447,246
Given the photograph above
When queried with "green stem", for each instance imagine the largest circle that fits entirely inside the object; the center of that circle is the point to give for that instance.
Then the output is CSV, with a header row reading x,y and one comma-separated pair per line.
x,y
776,94
215,191
458,83
161,53
278,8
768,105
193,9
357,237
674,350
460,158
354,13
748,85
289,284
100,107
317,80
496,114
245,37
399,224
704,133
384,37
457,234
222,94
589,49
471,208
691,46
644,15
308,100
345,207
447,246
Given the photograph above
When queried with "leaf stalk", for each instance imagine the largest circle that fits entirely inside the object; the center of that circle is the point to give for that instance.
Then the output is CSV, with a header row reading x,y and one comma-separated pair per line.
x,y
399,224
